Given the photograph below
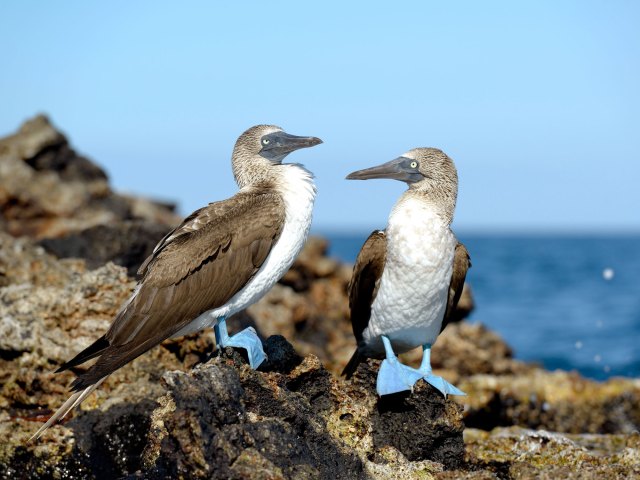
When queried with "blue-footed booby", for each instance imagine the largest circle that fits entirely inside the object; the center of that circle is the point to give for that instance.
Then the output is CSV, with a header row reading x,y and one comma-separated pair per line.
x,y
407,279
221,259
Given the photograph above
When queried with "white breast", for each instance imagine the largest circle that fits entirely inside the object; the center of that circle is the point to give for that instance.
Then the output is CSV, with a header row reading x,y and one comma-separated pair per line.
x,y
411,300
299,192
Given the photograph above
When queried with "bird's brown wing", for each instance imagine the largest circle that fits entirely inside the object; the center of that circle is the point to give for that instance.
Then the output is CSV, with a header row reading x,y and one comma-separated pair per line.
x,y
461,263
363,288
197,267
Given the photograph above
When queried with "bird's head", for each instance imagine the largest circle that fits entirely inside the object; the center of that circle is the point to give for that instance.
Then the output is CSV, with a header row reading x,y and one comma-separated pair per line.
x,y
263,146
428,171
420,168
271,142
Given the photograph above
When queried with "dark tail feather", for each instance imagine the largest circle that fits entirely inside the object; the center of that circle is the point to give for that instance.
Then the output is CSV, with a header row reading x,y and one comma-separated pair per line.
x,y
352,366
88,353
112,359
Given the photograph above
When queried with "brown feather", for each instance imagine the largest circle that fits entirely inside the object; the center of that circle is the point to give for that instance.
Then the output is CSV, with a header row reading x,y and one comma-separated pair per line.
x,y
363,288
196,268
461,263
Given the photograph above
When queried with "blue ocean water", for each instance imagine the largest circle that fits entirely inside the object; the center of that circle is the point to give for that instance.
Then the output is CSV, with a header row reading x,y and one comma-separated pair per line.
x,y
568,302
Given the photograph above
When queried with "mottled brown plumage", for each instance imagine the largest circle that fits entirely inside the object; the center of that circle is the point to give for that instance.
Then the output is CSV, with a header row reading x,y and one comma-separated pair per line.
x,y
197,267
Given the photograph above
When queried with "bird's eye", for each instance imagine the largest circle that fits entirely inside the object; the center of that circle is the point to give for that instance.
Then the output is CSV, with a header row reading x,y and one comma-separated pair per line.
x,y
265,141
414,164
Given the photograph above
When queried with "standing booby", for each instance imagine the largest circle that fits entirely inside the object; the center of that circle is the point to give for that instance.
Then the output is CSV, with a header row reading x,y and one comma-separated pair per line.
x,y
408,279
221,259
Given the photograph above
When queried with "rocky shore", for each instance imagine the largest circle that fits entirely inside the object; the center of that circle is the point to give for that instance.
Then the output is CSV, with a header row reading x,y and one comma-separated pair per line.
x,y
69,246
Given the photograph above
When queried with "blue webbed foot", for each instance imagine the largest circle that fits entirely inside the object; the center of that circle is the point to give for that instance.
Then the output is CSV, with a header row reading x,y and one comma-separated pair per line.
x,y
247,339
441,384
438,382
394,377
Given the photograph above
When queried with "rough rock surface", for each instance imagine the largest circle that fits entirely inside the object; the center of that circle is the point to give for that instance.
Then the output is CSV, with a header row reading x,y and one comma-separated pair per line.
x,y
181,412
521,453
223,420
127,243
48,190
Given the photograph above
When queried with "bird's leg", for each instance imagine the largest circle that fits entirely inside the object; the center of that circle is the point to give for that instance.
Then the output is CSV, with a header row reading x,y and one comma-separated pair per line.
x,y
425,365
438,382
222,335
247,339
394,377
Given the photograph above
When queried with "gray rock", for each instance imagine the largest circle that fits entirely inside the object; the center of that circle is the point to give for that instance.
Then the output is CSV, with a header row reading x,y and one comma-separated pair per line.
x,y
48,190
127,243
225,423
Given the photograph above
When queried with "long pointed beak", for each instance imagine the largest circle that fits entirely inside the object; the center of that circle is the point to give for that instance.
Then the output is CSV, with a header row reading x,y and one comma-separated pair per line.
x,y
397,169
285,143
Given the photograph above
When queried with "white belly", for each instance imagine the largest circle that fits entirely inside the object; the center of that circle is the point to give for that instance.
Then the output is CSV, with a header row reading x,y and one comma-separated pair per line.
x,y
298,192
411,300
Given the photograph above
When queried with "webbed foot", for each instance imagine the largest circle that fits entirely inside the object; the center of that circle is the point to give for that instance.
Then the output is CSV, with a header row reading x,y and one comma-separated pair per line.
x,y
247,339
394,377
438,382
441,384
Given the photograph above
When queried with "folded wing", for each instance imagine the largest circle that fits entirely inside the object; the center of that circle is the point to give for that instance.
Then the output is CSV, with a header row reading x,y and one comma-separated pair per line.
x,y
461,263
363,288
197,267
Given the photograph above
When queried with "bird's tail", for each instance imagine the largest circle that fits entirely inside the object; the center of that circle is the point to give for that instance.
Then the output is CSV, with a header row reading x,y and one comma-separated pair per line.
x,y
73,401
352,366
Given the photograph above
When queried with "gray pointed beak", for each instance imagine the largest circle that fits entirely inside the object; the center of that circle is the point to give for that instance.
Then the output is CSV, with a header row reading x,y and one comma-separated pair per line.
x,y
278,145
398,169
283,143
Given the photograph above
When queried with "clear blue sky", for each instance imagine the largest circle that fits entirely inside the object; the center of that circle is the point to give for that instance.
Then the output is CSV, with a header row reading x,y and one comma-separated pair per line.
x,y
537,102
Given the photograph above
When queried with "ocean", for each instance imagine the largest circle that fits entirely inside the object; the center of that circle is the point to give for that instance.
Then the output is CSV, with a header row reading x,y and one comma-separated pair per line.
x,y
567,301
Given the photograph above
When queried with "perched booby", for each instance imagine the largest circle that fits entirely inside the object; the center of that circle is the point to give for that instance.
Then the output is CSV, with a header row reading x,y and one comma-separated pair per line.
x,y
221,259
408,279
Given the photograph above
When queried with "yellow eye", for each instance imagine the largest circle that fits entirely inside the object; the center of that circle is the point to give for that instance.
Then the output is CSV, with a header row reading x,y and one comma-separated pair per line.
x,y
265,141
414,164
